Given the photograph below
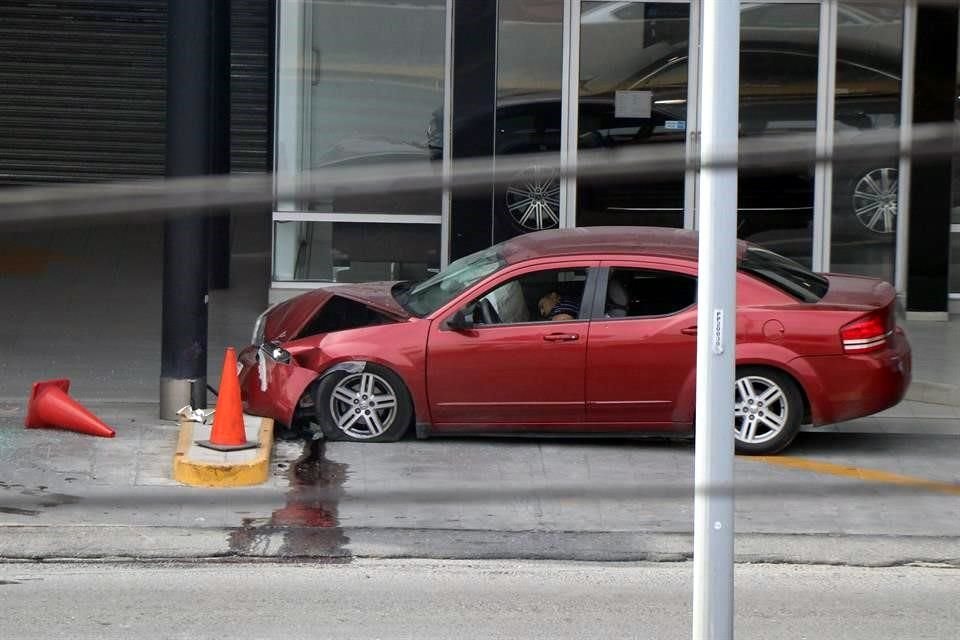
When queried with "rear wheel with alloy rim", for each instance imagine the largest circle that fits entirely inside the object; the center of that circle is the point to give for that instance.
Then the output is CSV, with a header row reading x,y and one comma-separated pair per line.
x,y
767,411
372,405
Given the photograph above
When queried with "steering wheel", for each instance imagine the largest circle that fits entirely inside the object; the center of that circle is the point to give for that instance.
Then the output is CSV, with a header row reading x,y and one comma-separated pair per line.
x,y
488,315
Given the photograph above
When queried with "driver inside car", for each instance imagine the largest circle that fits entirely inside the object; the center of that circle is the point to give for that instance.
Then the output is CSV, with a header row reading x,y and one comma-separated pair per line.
x,y
553,306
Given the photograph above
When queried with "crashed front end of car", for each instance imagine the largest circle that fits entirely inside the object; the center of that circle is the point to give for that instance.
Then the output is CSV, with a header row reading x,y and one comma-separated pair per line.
x,y
287,353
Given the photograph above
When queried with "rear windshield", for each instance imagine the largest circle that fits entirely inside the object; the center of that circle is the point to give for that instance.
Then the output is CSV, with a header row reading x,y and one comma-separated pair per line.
x,y
785,274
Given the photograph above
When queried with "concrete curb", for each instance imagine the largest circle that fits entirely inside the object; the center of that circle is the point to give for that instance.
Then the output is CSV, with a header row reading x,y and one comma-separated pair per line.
x,y
934,393
228,471
19,543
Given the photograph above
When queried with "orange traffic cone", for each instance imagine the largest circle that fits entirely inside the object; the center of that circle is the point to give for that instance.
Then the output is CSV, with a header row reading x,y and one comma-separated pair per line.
x,y
51,408
228,432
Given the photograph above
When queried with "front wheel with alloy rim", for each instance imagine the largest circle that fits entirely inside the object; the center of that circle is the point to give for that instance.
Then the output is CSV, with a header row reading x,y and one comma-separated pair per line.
x,y
767,411
371,405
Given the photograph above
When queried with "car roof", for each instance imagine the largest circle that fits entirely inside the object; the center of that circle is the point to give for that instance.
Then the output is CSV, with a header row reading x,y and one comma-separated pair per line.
x,y
640,241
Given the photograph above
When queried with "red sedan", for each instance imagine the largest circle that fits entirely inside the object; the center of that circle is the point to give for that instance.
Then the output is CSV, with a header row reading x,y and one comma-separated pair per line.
x,y
589,331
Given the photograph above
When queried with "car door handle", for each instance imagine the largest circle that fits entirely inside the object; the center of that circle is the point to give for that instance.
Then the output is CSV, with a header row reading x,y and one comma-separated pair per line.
x,y
689,331
561,337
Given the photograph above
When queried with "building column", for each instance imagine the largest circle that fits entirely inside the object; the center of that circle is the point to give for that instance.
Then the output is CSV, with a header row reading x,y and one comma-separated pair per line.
x,y
928,254
190,152
474,98
220,139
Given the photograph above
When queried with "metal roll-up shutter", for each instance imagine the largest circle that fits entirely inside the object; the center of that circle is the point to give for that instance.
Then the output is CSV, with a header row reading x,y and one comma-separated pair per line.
x,y
83,94
251,85
83,90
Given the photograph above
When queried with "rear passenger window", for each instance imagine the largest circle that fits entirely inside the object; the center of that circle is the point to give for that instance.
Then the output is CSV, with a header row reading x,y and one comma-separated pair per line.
x,y
637,293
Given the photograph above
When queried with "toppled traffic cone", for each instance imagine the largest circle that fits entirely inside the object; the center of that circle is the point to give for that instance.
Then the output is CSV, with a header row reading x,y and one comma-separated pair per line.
x,y
51,408
228,432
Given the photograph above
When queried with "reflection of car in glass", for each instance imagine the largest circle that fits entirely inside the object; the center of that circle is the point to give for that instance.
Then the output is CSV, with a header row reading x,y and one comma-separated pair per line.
x,y
468,351
778,96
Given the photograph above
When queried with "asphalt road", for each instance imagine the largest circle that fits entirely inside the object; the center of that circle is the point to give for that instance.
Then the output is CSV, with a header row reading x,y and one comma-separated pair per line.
x,y
437,599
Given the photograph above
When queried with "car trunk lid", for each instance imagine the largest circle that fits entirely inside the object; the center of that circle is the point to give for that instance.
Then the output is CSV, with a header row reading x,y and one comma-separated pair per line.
x,y
869,293
872,304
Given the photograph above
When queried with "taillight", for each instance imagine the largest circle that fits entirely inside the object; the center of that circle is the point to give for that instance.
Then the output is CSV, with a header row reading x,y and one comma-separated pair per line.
x,y
868,332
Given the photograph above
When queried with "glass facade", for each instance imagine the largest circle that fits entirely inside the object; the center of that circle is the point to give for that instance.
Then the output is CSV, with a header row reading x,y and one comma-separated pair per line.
x,y
779,74
868,70
634,67
361,83
527,113
955,206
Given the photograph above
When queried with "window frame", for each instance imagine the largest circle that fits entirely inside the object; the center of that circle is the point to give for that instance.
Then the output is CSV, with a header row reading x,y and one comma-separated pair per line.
x,y
296,54
507,274
600,294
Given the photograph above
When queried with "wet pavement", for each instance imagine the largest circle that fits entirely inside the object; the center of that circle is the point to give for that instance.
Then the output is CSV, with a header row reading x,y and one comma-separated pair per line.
x,y
309,521
67,495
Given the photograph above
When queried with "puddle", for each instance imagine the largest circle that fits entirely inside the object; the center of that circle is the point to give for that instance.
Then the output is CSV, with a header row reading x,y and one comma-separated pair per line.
x,y
309,522
34,500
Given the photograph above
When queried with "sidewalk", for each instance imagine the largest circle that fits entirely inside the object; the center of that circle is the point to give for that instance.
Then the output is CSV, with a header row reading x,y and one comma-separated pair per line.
x,y
936,362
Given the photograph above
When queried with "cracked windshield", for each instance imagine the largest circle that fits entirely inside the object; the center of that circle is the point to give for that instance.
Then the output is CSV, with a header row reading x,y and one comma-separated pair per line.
x,y
480,319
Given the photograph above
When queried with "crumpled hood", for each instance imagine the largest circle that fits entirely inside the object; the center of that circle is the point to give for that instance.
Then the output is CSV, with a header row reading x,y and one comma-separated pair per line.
x,y
286,320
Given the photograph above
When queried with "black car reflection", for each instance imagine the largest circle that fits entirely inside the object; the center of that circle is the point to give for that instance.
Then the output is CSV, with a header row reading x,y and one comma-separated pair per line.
x,y
775,206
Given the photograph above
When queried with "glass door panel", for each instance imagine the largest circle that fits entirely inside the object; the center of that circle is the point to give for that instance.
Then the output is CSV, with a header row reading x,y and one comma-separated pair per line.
x,y
528,113
633,74
779,58
864,213
954,282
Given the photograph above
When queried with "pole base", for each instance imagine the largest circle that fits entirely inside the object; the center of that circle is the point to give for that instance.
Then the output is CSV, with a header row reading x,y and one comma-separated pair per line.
x,y
176,393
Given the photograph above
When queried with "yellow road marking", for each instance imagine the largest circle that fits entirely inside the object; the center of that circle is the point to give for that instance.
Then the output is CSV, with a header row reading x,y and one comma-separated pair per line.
x,y
860,473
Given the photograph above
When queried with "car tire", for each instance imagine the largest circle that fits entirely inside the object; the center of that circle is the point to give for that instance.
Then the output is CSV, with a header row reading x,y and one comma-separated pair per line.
x,y
768,409
372,405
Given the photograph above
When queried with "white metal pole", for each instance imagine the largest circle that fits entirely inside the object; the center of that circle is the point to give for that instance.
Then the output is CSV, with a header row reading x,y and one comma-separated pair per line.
x,y
446,162
716,317
906,145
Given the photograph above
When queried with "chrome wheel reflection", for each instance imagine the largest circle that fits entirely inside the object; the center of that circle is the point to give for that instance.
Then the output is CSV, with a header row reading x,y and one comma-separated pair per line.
x,y
760,410
363,405
534,199
875,200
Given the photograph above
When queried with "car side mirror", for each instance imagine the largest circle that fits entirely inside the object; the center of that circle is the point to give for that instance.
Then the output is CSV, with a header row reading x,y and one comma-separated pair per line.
x,y
460,321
